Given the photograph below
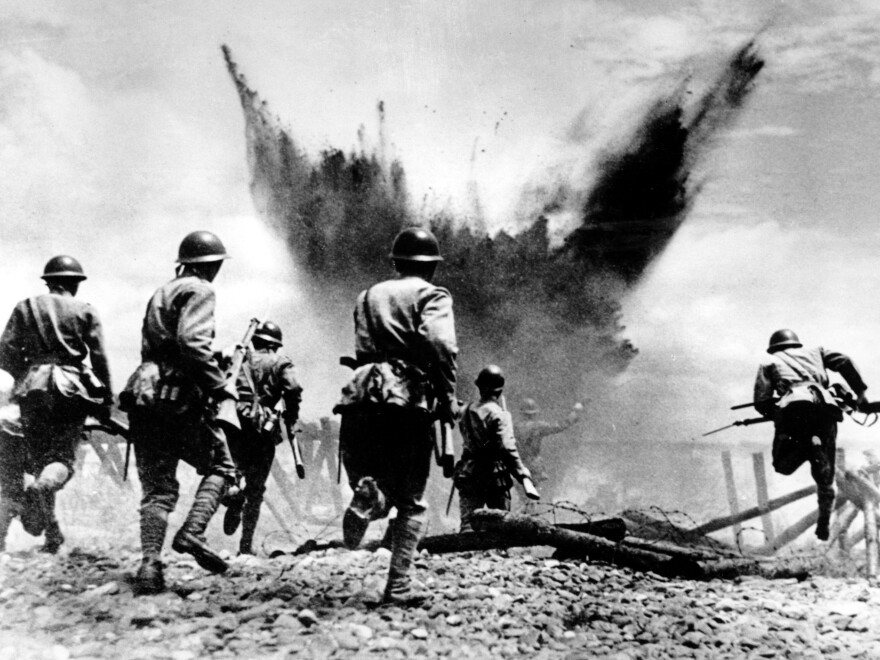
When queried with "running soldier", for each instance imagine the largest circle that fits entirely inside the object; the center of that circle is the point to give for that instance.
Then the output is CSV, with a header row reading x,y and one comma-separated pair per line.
x,y
266,378
321,445
490,459
404,379
173,401
44,348
792,388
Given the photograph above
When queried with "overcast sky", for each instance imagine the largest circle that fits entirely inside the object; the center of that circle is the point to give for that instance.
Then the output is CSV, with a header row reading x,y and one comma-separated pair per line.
x,y
120,131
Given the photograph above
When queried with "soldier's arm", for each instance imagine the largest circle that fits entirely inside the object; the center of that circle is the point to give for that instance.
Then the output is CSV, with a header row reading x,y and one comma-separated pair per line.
x,y
439,344
290,390
195,336
843,365
11,348
502,428
94,339
763,394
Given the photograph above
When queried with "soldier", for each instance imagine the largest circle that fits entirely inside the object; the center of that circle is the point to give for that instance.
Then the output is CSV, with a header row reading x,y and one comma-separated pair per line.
x,y
490,458
792,388
405,378
44,348
266,378
531,432
173,401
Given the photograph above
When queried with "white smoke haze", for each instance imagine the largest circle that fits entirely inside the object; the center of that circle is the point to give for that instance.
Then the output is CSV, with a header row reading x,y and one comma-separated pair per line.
x,y
119,133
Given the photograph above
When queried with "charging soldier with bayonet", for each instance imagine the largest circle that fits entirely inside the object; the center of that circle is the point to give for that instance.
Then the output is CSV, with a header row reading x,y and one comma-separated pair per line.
x,y
177,401
403,381
792,389
268,396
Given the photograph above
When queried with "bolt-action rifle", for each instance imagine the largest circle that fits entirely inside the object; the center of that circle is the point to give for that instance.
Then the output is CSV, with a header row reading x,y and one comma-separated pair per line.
x,y
113,426
444,452
226,409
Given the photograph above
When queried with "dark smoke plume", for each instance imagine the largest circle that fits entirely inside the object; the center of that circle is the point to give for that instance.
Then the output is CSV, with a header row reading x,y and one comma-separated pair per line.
x,y
549,315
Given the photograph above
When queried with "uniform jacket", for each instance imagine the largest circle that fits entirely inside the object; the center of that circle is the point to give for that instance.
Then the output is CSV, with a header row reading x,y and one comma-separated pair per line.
x,y
272,375
55,329
490,453
405,343
178,333
532,431
784,368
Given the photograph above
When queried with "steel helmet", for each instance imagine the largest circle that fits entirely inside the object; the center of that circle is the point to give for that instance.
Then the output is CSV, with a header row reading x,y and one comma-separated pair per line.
x,y
201,247
269,332
529,407
63,266
783,339
490,378
416,244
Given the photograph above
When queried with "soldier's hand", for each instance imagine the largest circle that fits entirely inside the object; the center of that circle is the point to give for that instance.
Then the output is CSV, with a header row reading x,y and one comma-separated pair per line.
x,y
862,401
228,391
529,487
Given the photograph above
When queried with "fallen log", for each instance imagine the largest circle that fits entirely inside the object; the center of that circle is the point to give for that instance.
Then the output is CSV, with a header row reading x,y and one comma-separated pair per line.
x,y
538,532
674,550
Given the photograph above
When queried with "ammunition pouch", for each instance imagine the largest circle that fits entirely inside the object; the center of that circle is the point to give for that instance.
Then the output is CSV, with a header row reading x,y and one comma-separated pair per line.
x,y
808,399
392,382
55,388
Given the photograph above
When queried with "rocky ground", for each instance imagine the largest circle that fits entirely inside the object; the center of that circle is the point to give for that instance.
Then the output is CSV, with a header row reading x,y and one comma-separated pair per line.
x,y
484,605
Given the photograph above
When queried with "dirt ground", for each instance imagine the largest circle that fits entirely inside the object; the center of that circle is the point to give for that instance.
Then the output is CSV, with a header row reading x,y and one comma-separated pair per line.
x,y
484,605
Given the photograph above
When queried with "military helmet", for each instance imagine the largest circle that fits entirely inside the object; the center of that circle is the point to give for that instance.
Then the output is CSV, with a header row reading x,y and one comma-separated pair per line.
x,y
201,247
416,244
268,332
783,339
490,378
529,407
63,266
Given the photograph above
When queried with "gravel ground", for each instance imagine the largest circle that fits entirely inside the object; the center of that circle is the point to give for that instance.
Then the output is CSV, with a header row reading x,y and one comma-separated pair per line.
x,y
484,605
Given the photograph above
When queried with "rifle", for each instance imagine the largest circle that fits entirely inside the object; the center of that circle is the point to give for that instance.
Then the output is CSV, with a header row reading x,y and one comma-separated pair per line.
x,y
741,422
226,410
444,452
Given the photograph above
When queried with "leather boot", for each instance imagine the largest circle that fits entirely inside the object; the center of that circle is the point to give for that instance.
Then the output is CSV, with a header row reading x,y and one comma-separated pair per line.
x,y
365,506
149,578
54,538
232,517
33,515
190,539
405,539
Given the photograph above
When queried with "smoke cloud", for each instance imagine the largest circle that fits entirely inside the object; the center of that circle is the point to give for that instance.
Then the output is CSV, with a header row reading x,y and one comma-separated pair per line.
x,y
549,314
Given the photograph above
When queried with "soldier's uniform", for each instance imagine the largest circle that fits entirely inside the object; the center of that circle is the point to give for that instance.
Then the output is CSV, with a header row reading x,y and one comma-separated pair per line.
x,y
792,387
406,355
489,460
172,401
266,378
530,433
45,347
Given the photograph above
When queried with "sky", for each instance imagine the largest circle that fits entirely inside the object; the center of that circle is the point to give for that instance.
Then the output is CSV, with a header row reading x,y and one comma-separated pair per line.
x,y
120,131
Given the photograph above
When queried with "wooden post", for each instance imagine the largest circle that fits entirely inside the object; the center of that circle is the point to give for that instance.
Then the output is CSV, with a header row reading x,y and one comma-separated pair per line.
x,y
763,498
285,487
870,538
777,503
843,521
732,498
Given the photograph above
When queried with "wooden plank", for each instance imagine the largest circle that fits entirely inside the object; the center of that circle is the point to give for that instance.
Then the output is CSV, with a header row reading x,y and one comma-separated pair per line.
x,y
777,503
763,497
870,509
843,521
285,487
732,498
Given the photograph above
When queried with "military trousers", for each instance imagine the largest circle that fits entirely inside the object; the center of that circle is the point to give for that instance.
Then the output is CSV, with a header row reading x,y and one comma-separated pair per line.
x,y
162,440
473,496
253,454
393,445
793,446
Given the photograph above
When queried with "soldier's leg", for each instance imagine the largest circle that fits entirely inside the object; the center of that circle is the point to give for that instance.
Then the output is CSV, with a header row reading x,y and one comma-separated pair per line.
x,y
822,460
220,473
407,451
362,436
56,436
12,469
254,491
157,468
469,500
